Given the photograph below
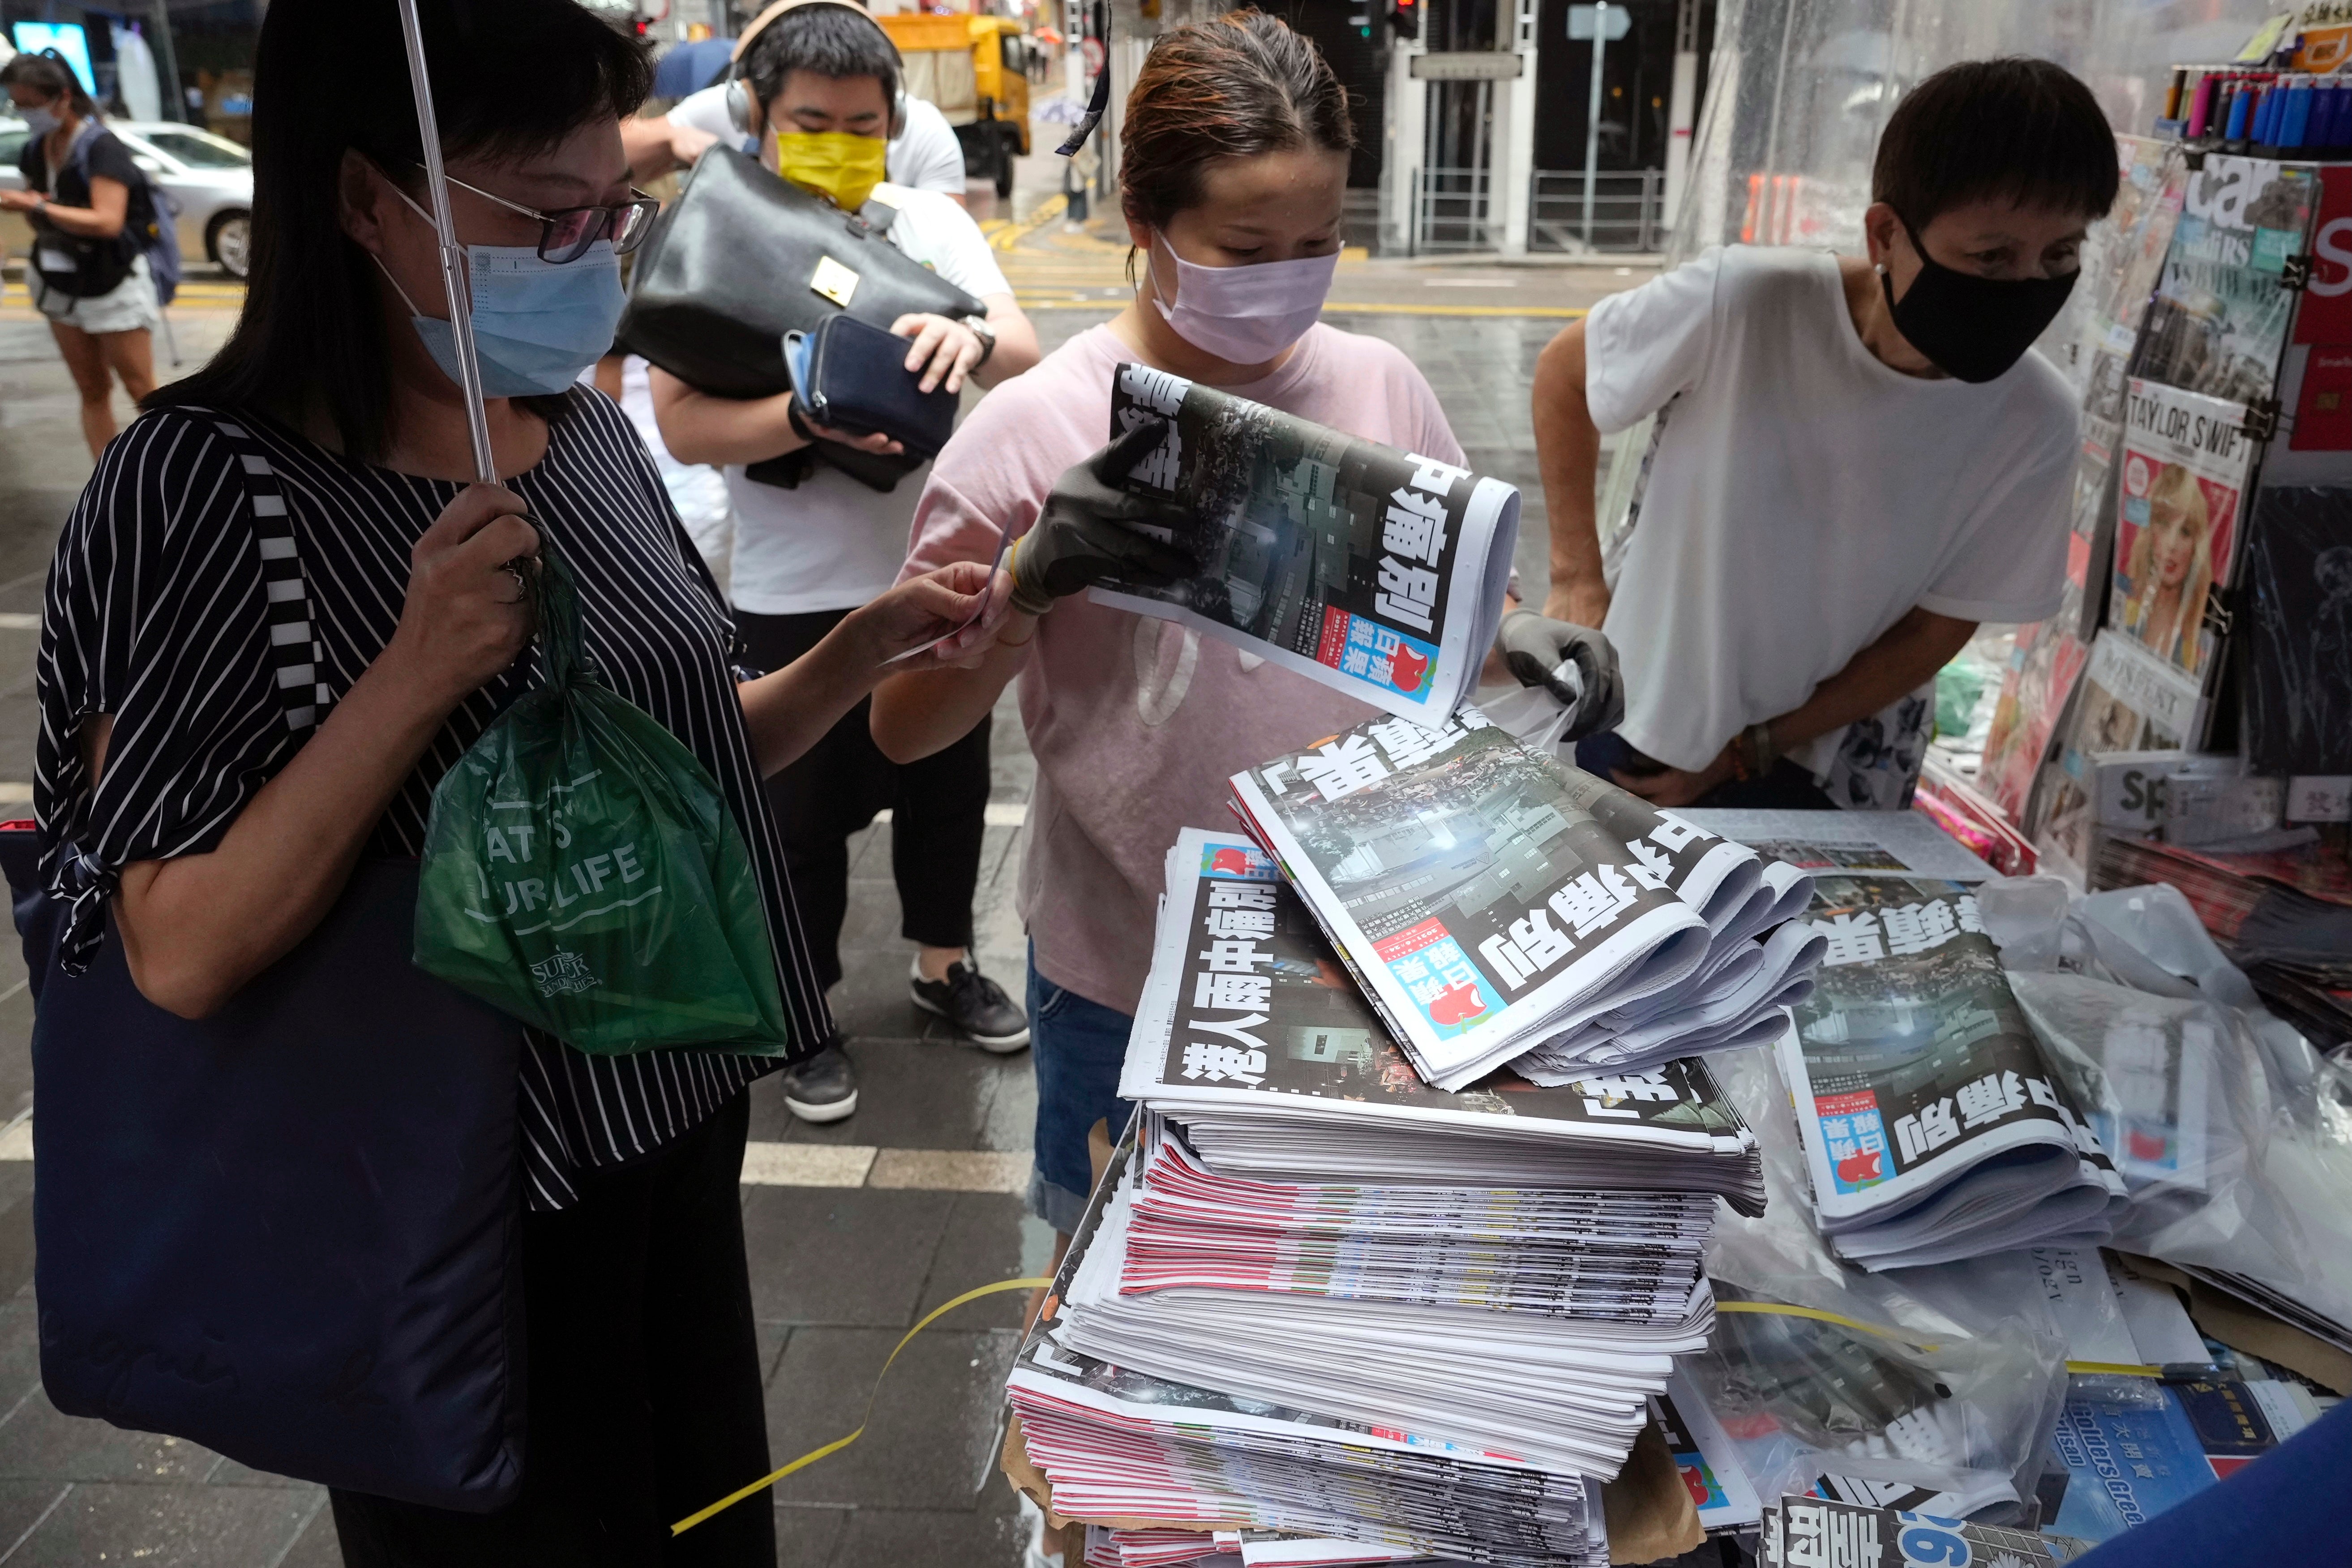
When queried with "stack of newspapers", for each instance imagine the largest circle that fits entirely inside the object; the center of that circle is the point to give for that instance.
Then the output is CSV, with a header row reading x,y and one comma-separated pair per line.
x,y
1316,1296
1934,1128
1499,906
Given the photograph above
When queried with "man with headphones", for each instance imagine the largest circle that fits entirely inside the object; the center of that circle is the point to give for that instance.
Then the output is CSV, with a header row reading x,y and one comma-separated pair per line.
x,y
924,154
819,81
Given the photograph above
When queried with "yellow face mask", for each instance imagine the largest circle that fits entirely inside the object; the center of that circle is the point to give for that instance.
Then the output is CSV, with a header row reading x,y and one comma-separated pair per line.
x,y
832,164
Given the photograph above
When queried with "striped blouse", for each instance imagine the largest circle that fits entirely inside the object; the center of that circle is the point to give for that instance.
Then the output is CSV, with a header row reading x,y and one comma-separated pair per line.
x,y
177,604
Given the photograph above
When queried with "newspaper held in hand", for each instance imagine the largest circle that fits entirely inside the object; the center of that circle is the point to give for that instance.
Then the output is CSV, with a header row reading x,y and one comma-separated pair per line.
x,y
1934,1127
1379,572
1491,901
1821,1532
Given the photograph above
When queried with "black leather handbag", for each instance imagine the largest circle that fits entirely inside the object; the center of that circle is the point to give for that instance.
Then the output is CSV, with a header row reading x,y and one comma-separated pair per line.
x,y
741,258
852,375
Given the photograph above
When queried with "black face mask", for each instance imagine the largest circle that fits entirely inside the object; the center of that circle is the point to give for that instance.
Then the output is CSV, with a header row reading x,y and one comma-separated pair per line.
x,y
1972,328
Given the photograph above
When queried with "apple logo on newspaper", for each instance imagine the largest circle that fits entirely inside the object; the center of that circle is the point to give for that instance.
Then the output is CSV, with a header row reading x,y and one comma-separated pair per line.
x,y
1456,1004
1407,669
1860,1170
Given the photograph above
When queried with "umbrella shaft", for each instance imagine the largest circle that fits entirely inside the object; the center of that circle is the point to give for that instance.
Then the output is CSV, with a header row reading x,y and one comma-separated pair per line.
x,y
453,255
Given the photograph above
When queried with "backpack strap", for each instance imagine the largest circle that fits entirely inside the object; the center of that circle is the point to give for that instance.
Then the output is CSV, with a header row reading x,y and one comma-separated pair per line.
x,y
295,653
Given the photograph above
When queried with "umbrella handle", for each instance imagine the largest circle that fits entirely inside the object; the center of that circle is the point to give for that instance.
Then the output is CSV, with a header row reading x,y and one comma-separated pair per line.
x,y
453,255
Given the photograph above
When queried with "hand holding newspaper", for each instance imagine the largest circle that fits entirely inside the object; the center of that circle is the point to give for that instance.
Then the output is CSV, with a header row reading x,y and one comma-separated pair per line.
x,y
1378,572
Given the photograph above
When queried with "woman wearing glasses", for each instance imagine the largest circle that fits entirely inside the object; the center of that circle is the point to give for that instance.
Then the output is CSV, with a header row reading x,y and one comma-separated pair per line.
x,y
177,787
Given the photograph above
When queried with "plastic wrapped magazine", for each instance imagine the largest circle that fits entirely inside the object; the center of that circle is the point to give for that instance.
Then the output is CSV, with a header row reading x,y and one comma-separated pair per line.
x,y
1934,1128
1490,900
1932,1388
1823,1532
2297,604
2243,1133
2219,321
2134,1447
2183,476
1379,572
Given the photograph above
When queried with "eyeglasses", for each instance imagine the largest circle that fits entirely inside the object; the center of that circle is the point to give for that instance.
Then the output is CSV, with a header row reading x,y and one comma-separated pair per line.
x,y
566,234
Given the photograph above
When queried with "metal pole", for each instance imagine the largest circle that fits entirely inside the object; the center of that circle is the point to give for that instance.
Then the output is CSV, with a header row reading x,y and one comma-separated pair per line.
x,y
1680,106
453,255
1592,116
176,92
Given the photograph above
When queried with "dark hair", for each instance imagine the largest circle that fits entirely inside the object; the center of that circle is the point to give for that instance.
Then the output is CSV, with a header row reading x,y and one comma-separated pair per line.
x,y
47,74
1237,87
2017,129
825,40
510,78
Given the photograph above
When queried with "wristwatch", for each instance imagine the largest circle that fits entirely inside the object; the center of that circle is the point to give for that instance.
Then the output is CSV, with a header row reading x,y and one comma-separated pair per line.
x,y
987,336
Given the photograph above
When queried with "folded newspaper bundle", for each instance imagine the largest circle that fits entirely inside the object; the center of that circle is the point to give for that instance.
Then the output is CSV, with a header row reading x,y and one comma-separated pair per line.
x,y
1119,1441
1379,572
1934,1128
1251,1034
1499,906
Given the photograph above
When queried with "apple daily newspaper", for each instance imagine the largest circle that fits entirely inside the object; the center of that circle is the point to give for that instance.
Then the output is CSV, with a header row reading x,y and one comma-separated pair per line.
x,y
1379,572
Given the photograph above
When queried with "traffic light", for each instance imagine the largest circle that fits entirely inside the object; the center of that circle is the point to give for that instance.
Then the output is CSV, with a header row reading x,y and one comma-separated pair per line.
x,y
1404,18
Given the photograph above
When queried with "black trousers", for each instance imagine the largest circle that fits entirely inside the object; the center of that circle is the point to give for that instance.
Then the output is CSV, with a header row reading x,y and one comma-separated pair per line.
x,y
937,811
644,1384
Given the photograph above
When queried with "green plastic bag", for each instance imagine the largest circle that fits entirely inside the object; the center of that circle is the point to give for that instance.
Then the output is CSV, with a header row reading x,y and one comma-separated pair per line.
x,y
582,871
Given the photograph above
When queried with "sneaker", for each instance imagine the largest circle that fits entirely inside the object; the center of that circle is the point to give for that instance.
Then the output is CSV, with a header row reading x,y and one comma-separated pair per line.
x,y
822,1089
974,1003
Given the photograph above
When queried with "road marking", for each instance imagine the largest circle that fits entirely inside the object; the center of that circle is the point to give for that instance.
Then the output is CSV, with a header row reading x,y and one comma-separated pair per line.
x,y
807,1165
1012,234
998,815
1469,282
20,621
15,794
950,1170
796,1165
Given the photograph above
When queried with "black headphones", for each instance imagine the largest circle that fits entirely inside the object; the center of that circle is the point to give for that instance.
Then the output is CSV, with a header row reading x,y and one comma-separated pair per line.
x,y
739,97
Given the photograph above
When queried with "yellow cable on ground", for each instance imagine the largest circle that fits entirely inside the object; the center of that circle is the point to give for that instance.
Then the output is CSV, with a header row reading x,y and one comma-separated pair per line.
x,y
838,1444
2115,1369
1781,1310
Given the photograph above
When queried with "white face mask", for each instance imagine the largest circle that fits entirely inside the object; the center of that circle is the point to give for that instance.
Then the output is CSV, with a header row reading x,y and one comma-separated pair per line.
x,y
1243,314
41,122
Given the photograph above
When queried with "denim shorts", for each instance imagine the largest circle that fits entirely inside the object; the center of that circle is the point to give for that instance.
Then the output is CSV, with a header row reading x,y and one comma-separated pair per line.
x,y
1078,1046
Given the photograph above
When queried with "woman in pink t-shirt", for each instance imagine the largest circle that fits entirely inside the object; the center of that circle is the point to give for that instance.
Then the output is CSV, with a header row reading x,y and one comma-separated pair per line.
x,y
1234,167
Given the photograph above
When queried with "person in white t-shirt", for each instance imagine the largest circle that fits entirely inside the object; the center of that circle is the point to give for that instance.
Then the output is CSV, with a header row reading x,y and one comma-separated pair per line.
x,y
812,543
1856,461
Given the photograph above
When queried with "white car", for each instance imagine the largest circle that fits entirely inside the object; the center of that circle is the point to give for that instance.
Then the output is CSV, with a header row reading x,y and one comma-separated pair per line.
x,y
210,177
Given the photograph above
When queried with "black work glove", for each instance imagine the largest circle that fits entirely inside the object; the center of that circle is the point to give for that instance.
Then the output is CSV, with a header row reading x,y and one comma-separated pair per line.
x,y
1090,529
1533,645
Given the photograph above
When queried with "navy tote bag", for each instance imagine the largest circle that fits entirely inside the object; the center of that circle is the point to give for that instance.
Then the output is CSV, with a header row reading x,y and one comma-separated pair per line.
x,y
290,1232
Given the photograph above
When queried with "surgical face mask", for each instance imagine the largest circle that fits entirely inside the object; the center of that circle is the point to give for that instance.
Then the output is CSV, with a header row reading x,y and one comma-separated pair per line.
x,y
834,163
40,122
1245,315
537,325
1974,329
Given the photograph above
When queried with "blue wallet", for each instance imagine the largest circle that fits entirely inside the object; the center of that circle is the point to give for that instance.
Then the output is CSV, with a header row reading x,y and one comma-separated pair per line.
x,y
852,375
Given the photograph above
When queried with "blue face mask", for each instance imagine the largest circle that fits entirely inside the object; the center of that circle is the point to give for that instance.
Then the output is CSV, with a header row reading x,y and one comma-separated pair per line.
x,y
536,325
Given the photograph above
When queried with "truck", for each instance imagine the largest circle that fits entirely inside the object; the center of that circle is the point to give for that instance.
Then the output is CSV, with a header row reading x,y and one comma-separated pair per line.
x,y
976,69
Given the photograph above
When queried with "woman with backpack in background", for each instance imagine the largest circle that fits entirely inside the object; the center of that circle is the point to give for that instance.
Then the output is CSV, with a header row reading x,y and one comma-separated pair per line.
x,y
89,208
